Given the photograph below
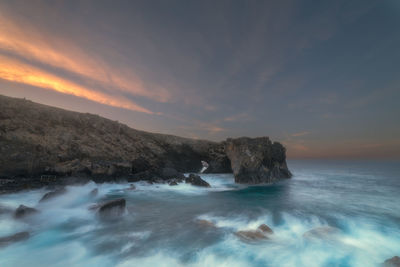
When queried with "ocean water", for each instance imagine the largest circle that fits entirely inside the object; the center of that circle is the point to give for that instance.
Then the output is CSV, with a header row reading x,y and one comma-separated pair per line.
x,y
360,200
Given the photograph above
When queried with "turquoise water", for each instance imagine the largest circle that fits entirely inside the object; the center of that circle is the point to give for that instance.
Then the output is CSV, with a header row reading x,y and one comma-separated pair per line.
x,y
360,199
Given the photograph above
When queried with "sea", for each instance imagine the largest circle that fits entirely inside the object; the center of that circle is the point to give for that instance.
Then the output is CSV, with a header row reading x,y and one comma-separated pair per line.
x,y
358,201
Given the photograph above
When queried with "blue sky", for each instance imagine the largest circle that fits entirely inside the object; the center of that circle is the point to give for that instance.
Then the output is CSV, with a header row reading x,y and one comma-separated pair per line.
x,y
322,77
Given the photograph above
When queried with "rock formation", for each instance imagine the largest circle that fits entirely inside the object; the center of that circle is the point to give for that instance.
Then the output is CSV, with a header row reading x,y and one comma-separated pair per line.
x,y
53,194
196,180
392,262
42,145
23,211
112,209
256,160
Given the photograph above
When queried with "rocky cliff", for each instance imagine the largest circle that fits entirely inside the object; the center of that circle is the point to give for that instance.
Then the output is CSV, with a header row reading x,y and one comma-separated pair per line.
x,y
46,143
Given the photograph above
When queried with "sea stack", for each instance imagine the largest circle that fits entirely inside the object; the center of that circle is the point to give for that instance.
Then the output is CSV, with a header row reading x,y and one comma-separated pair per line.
x,y
257,160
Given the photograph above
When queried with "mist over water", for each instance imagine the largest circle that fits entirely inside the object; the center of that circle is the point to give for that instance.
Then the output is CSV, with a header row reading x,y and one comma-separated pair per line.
x,y
358,199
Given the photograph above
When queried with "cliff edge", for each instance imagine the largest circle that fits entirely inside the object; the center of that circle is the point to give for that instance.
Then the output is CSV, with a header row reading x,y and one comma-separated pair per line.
x,y
39,143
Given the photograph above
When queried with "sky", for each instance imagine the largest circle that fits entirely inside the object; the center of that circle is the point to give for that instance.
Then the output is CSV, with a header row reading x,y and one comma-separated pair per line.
x,y
322,77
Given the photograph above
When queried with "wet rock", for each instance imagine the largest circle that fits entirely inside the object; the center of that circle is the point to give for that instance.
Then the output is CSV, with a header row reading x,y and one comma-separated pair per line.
x,y
265,229
23,211
172,183
256,160
94,192
261,234
170,173
8,240
321,233
53,194
112,209
392,262
196,180
205,223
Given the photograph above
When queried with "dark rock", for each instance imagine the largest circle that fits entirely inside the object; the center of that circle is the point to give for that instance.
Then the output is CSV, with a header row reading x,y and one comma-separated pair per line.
x,y
141,176
53,194
261,234
206,223
265,229
113,208
172,183
23,211
256,160
170,173
94,192
140,165
196,180
8,240
392,262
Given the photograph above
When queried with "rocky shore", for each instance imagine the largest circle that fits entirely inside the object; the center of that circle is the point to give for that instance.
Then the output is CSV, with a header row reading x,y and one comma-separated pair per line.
x,y
46,146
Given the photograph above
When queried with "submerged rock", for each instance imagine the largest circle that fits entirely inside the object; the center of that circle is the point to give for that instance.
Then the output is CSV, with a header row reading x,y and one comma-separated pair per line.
x,y
392,262
94,192
196,180
113,208
205,223
23,211
53,194
8,240
261,234
323,232
256,160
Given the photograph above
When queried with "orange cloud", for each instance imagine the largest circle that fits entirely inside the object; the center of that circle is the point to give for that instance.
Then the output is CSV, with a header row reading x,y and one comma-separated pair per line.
x,y
18,38
15,71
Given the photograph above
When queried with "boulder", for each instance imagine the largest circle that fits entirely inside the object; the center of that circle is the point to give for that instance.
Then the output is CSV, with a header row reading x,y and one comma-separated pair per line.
x,y
392,262
261,234
112,209
256,160
53,194
8,240
172,183
23,211
196,180
205,223
265,229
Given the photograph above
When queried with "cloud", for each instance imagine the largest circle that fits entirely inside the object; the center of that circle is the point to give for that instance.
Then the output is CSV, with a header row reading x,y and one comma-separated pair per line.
x,y
15,71
237,117
300,134
19,39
